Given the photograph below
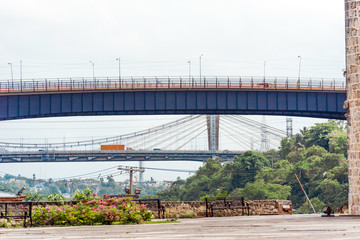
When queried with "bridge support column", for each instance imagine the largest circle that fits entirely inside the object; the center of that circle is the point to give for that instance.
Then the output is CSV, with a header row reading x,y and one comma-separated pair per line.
x,y
213,132
352,104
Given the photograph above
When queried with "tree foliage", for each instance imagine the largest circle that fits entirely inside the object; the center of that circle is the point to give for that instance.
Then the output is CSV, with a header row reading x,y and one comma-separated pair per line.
x,y
317,155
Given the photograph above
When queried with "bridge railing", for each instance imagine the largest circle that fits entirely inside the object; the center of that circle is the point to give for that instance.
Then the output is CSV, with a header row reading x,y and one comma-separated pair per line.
x,y
154,83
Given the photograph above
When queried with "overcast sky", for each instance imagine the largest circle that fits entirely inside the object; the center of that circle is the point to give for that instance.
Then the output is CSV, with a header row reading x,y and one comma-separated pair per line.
x,y
158,38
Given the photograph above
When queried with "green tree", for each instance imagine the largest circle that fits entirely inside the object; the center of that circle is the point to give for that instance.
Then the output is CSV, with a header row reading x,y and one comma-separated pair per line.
x,y
245,168
259,190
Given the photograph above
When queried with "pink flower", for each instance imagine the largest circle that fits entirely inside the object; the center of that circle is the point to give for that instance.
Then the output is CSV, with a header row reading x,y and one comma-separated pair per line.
x,y
94,194
83,211
47,208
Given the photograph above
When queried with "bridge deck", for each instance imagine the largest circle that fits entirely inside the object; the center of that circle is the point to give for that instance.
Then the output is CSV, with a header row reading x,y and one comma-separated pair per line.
x,y
178,83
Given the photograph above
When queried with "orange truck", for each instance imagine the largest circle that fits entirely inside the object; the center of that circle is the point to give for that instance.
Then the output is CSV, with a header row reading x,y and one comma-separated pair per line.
x,y
117,147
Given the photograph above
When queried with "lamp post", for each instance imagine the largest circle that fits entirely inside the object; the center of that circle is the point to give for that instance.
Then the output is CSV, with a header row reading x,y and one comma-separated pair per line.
x,y
21,75
264,70
299,66
93,69
12,75
118,59
200,66
189,62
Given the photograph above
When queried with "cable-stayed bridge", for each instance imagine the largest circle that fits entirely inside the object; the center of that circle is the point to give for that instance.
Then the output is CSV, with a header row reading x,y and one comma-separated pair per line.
x,y
173,141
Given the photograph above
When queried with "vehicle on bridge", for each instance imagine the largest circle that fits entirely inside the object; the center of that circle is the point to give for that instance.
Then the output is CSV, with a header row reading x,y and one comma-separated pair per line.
x,y
116,147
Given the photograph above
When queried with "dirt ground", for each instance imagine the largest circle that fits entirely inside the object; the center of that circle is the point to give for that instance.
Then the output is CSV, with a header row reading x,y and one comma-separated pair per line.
x,y
241,227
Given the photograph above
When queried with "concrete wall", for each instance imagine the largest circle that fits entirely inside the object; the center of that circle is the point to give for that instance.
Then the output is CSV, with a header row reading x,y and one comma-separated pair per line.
x,y
257,207
352,35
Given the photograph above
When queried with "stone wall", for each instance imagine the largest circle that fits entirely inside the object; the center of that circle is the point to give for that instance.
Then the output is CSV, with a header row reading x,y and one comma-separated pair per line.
x,y
352,104
257,207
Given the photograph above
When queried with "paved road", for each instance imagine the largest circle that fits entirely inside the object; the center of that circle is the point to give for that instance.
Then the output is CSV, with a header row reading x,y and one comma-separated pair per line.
x,y
242,227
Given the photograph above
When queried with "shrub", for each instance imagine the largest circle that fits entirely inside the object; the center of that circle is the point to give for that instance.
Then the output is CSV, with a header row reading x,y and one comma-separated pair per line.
x,y
103,211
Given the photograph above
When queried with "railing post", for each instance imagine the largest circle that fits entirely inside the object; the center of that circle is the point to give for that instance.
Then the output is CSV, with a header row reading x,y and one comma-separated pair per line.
x,y
71,84
287,83
240,83
180,82
228,82
132,83
168,82
216,82
30,213
252,83
204,82
322,84
144,80
33,85
45,84
334,85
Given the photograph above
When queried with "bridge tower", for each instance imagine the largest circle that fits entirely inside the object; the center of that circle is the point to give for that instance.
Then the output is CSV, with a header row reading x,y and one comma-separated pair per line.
x,y
289,127
264,144
352,104
213,132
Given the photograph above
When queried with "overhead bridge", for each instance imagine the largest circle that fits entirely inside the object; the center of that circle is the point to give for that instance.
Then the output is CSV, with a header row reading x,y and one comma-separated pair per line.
x,y
322,98
106,156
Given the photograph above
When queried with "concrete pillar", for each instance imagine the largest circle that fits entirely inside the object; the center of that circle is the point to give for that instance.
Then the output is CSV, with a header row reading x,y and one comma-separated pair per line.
x,y
352,104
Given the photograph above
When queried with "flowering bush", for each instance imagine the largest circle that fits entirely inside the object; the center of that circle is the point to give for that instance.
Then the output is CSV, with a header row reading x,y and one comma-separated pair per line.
x,y
103,211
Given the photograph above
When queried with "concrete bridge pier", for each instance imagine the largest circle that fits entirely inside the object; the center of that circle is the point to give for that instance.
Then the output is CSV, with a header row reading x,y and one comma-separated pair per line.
x,y
352,104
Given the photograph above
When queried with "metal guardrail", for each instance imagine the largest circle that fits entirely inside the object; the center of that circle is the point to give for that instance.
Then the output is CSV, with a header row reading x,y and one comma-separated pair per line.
x,y
174,83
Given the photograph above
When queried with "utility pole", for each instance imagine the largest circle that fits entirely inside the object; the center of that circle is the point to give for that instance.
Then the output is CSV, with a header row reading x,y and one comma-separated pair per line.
x,y
131,170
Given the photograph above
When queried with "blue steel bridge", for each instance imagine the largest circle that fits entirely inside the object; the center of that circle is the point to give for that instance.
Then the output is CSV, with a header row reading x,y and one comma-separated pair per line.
x,y
205,97
37,98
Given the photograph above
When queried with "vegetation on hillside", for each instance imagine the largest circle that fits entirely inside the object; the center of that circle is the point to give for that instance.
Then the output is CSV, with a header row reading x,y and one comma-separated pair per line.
x,y
317,155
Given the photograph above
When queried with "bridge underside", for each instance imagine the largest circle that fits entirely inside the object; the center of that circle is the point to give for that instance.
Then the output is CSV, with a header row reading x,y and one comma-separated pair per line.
x,y
272,102
125,156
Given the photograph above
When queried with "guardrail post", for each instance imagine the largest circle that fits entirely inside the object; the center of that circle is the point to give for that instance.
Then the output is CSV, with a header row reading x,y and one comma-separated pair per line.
x,y
71,84
322,84
240,83
33,85
252,83
30,213
334,84
180,82
132,83
228,82
45,84
216,82
168,82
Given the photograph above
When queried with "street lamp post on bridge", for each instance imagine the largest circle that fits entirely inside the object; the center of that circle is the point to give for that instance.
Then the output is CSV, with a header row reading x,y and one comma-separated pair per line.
x,y
12,75
118,59
93,68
